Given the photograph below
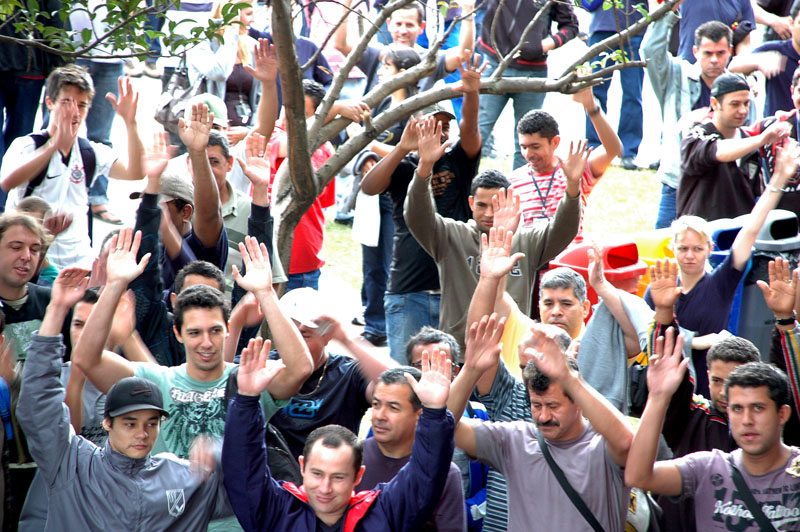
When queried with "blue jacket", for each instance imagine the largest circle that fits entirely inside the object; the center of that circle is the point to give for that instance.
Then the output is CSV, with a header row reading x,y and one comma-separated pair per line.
x,y
264,504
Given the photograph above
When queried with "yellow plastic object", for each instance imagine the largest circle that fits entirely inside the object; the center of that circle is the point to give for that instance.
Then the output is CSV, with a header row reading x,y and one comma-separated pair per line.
x,y
652,245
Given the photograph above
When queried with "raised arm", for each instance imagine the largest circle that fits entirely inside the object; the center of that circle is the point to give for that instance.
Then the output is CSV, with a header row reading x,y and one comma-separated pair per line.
x,y
496,263
105,368
768,63
785,168
610,145
379,177
611,298
207,220
549,358
288,342
664,374
663,69
470,86
126,107
265,70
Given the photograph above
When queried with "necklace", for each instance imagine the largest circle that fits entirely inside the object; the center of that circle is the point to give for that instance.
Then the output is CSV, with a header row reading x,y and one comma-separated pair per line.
x,y
319,382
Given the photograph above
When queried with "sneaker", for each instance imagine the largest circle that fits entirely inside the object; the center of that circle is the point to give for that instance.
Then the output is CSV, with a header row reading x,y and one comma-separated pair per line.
x,y
378,340
628,164
358,319
152,70
133,67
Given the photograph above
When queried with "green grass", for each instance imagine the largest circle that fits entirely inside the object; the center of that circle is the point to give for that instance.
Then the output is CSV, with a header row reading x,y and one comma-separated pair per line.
x,y
622,202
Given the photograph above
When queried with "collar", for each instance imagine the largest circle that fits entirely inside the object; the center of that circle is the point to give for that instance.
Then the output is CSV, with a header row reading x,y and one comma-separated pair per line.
x,y
359,503
230,207
125,464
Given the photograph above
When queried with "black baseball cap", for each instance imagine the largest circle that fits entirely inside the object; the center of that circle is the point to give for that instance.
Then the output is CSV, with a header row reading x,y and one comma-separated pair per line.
x,y
131,394
727,83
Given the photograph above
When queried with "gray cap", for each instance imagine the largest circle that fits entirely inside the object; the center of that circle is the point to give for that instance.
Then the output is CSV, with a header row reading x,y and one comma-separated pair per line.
x,y
173,186
437,108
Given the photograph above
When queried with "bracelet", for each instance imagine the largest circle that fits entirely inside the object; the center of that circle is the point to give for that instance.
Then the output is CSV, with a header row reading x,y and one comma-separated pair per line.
x,y
773,188
594,112
786,321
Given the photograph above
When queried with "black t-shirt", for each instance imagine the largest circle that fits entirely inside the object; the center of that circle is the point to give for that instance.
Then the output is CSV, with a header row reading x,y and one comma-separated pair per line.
x,y
711,189
393,133
340,400
791,198
22,323
413,270
705,96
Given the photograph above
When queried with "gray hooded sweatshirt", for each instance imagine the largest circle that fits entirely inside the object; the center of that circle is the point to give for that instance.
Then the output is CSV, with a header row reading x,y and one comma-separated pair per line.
x,y
94,488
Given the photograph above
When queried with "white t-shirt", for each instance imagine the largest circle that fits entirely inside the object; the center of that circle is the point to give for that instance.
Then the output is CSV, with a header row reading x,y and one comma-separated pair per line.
x,y
64,188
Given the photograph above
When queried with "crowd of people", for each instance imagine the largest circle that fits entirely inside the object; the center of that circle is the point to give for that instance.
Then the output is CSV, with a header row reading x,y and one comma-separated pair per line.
x,y
165,383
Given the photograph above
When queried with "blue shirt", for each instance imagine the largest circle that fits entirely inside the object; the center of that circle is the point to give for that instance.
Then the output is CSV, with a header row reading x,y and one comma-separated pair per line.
x,y
697,12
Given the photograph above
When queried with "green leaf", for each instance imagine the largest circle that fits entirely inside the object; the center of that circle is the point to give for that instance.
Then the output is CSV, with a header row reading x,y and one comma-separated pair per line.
x,y
606,5
86,35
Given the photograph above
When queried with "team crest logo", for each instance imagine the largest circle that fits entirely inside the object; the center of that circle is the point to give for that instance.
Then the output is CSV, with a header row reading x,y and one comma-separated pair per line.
x,y
176,503
794,468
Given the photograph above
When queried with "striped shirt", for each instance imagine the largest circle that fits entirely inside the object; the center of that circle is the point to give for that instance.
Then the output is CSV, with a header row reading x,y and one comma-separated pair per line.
x,y
508,400
539,194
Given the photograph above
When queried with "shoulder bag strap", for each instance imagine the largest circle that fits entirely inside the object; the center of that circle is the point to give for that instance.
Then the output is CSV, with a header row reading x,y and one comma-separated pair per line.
x,y
764,523
567,487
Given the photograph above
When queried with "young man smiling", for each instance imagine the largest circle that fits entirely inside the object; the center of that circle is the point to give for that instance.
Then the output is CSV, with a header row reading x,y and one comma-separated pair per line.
x,y
91,487
758,399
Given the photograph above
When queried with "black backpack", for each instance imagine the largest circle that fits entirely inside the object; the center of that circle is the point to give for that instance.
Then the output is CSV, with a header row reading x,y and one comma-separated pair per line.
x,y
89,167
282,465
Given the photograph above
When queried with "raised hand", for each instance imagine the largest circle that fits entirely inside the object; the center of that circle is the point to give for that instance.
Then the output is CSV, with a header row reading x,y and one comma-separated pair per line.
x,y
195,135
471,72
433,388
409,140
576,161
483,343
203,456
430,147
247,312
785,163
546,352
496,258
256,165
128,100
664,289
65,116
157,157
121,266
780,294
666,367
69,287
597,276
507,211
355,110
258,276
585,97
256,370
57,223
330,328
265,62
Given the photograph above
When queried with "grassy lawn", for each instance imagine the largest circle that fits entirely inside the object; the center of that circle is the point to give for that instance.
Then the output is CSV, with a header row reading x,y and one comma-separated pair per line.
x,y
622,202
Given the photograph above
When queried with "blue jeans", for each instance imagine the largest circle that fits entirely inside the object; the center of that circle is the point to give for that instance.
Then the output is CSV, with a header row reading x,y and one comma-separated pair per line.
x,y
101,116
492,105
406,314
629,128
155,23
668,207
375,262
302,280
19,98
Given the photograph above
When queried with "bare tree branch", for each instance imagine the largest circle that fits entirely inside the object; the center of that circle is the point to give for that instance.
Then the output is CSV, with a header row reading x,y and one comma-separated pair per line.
x,y
510,55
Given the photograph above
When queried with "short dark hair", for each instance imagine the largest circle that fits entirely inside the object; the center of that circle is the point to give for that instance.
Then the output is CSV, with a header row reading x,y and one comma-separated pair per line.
x,y
564,277
200,296
397,376
314,90
714,31
91,295
403,58
216,138
538,382
489,179
74,75
333,437
538,121
201,268
416,6
111,234
430,335
757,374
34,205
733,349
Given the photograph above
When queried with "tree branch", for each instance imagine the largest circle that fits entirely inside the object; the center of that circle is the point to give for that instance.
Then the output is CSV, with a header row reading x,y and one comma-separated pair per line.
x,y
510,56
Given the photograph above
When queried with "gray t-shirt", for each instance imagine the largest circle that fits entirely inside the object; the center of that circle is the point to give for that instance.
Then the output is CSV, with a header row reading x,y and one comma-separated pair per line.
x,y
718,506
536,500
